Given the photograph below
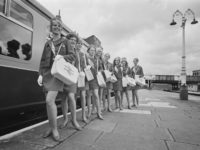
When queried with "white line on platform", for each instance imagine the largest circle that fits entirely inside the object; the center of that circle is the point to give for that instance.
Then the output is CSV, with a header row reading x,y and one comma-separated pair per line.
x,y
144,112
158,104
151,99
10,135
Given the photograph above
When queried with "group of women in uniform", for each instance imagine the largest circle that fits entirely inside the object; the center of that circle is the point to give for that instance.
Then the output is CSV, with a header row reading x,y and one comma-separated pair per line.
x,y
69,48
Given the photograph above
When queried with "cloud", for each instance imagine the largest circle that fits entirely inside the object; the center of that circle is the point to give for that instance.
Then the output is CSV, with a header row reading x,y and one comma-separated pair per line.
x,y
136,28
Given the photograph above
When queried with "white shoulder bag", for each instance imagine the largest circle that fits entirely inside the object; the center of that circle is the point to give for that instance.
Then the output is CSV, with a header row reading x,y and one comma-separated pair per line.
x,y
63,70
81,77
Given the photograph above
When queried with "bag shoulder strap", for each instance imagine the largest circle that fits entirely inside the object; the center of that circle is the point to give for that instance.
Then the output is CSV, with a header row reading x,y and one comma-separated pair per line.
x,y
97,64
54,49
79,62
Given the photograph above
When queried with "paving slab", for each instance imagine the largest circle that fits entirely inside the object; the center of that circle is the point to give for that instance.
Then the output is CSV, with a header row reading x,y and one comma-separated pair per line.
x,y
105,126
73,146
113,141
144,132
182,146
86,136
188,124
20,145
186,136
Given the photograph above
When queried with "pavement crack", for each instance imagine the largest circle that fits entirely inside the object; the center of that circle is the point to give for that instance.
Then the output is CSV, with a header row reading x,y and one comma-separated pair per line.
x,y
166,145
100,135
114,128
171,135
160,117
157,125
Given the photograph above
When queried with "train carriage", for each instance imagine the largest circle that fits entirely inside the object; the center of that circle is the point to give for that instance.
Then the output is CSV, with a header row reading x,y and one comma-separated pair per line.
x,y
24,28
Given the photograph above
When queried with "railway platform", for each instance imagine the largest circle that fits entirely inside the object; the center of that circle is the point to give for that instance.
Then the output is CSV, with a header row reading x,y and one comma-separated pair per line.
x,y
161,122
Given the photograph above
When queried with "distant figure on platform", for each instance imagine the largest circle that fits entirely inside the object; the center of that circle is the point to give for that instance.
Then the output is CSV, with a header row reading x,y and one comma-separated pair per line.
x,y
13,47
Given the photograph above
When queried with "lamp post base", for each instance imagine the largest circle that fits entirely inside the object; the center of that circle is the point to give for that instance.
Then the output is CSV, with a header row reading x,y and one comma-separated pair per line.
x,y
183,92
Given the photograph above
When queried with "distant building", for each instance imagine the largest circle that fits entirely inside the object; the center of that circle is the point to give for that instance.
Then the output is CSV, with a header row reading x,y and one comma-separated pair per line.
x,y
195,85
196,72
93,40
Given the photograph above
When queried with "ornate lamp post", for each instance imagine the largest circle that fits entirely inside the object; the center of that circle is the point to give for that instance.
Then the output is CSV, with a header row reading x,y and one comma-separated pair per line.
x,y
189,12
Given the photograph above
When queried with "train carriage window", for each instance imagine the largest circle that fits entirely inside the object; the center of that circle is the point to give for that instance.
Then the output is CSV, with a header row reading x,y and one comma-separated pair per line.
x,y
15,40
2,5
21,14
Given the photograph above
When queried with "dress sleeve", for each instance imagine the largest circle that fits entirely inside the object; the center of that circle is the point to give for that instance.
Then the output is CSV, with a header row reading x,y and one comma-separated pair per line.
x,y
141,72
43,58
129,72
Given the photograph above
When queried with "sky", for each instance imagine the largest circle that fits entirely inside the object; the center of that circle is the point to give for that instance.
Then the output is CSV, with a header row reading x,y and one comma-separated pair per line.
x,y
136,28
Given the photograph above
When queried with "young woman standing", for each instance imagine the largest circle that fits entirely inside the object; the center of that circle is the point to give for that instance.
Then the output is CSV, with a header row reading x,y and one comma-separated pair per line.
x,y
99,56
93,84
81,64
70,90
108,66
51,84
136,72
125,72
117,86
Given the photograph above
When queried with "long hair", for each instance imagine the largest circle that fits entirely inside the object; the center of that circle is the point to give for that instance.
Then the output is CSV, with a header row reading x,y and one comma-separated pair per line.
x,y
114,64
89,48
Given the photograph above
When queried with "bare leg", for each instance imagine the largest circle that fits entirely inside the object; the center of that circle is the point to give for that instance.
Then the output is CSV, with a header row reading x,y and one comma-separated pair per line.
x,y
101,97
133,97
64,104
96,99
108,99
119,100
136,97
73,110
52,113
93,104
122,97
116,100
89,103
83,105
104,99
127,97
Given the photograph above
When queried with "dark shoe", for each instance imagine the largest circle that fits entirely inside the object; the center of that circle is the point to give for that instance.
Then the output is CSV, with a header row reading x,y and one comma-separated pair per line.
x,y
109,110
133,105
129,107
47,133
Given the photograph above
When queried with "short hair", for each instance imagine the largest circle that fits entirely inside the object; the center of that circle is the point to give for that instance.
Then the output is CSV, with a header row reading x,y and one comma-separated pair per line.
x,y
14,44
71,35
136,59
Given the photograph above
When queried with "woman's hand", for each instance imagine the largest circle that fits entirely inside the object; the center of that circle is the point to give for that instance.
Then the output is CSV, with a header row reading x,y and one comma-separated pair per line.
x,y
39,80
